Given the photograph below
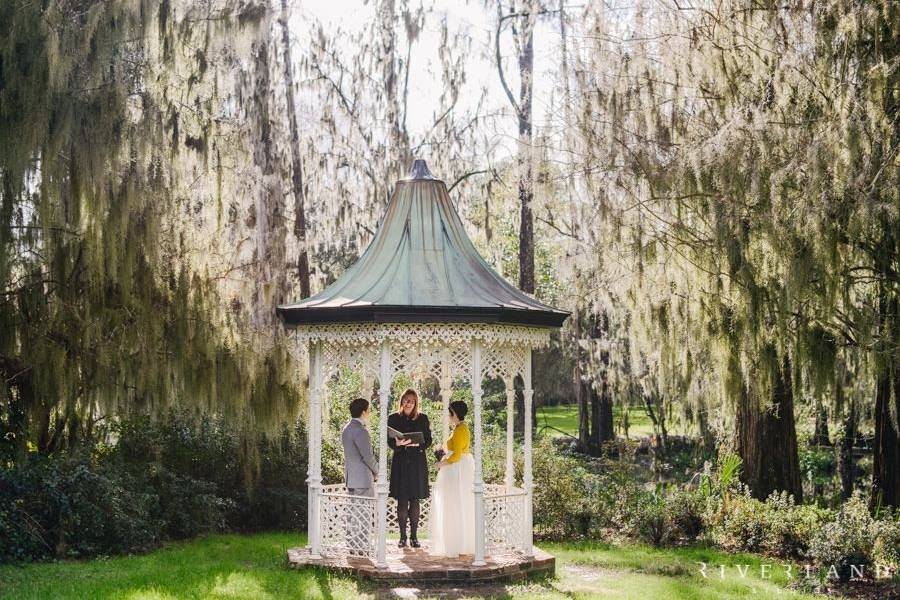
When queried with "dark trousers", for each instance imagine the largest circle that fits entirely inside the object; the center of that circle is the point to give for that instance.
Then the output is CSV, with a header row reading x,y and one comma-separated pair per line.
x,y
408,508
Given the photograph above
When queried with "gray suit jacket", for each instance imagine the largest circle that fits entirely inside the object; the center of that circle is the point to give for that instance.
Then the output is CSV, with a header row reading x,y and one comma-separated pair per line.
x,y
360,467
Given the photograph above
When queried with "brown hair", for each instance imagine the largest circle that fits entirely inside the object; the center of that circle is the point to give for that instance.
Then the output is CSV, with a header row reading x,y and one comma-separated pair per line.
x,y
415,411
358,406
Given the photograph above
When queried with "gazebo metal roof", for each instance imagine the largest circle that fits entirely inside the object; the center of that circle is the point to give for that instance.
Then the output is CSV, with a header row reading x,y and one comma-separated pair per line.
x,y
421,267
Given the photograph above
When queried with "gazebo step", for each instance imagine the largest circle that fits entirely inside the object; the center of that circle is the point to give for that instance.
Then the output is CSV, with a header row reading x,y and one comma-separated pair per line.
x,y
413,565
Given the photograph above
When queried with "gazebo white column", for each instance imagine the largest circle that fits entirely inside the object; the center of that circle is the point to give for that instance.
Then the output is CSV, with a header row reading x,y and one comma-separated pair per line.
x,y
314,440
384,397
509,480
528,392
478,488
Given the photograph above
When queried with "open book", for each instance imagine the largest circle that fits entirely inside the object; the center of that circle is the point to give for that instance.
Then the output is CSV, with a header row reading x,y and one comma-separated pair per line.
x,y
415,437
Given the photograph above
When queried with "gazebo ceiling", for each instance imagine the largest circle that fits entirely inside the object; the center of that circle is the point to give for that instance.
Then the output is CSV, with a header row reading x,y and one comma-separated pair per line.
x,y
421,267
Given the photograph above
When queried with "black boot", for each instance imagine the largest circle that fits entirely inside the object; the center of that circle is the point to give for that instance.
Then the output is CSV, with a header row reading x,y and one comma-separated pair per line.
x,y
414,542
402,542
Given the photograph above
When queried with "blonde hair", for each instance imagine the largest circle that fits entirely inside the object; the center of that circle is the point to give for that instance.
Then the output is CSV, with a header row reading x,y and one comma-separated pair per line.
x,y
415,411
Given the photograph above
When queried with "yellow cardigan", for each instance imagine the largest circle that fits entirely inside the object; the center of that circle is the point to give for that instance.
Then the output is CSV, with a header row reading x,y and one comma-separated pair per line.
x,y
458,443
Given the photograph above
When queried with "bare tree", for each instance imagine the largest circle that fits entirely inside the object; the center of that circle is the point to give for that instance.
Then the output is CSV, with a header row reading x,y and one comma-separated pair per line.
x,y
522,20
297,184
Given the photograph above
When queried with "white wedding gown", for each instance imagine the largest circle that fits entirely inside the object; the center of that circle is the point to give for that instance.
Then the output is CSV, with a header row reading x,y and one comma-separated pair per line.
x,y
452,530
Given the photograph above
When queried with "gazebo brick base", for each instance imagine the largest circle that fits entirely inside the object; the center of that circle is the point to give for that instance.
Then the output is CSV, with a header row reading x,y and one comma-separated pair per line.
x,y
417,566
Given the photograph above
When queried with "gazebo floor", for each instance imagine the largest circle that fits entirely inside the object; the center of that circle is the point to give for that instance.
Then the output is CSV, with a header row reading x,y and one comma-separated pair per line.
x,y
411,565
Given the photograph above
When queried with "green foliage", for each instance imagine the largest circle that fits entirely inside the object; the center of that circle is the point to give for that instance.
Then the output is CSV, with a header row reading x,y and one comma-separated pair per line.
x,y
854,538
669,515
649,519
69,507
685,510
886,548
818,465
729,470
564,502
778,527
172,479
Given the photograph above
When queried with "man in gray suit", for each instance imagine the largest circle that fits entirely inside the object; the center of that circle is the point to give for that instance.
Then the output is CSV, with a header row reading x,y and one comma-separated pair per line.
x,y
360,468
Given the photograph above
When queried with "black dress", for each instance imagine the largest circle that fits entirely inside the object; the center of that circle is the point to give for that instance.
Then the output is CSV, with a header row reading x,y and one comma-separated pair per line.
x,y
409,466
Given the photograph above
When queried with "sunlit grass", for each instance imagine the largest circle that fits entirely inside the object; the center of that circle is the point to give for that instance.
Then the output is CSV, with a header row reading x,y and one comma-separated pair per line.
x,y
563,420
254,567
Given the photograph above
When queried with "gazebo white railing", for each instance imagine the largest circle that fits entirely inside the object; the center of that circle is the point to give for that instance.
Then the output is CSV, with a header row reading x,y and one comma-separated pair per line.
x,y
348,522
421,301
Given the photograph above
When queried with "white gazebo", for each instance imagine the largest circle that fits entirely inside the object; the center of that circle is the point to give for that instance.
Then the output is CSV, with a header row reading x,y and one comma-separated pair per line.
x,y
423,302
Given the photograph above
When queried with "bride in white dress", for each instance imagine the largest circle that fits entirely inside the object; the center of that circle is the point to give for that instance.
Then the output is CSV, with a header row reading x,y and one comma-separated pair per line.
x,y
452,529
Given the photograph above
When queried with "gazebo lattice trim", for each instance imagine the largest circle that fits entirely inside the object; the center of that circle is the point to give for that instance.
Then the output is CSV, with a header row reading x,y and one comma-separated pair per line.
x,y
354,334
420,349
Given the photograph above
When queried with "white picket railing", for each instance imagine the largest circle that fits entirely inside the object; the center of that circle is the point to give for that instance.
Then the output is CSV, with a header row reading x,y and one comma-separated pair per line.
x,y
348,522
505,519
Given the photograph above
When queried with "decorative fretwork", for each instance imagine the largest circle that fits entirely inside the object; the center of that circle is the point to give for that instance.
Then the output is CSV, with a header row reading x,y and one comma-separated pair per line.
x,y
504,361
418,360
347,523
360,359
446,334
460,364
421,359
505,519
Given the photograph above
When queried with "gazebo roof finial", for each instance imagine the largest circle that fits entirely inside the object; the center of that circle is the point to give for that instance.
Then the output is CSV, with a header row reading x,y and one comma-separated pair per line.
x,y
419,170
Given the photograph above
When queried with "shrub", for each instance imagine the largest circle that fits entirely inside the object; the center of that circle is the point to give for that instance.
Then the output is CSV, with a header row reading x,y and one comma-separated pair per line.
x,y
739,525
847,540
188,507
561,502
649,520
789,528
168,479
886,548
775,527
684,509
68,508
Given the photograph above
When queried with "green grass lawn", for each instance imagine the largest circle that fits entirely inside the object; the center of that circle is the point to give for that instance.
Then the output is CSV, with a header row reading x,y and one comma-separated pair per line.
x,y
254,567
564,418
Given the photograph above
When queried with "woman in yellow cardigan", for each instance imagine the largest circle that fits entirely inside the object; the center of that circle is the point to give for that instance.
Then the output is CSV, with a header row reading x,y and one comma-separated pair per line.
x,y
453,498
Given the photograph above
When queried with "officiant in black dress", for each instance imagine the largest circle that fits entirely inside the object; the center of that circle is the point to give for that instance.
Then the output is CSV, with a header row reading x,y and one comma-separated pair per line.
x,y
409,465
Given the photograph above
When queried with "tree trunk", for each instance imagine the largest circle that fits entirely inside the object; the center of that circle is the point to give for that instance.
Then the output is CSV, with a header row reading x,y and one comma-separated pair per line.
x,y
706,433
296,165
820,436
526,182
20,396
846,467
582,388
886,463
601,418
603,421
602,430
270,231
767,440
399,138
